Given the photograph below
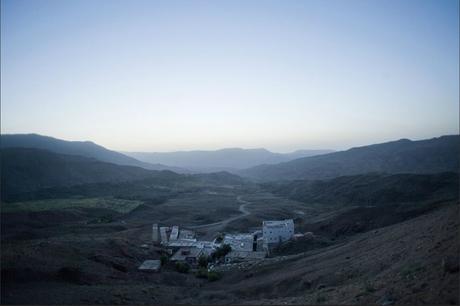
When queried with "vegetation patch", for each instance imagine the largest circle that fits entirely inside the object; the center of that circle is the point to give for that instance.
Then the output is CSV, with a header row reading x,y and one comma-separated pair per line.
x,y
182,267
410,271
213,276
118,205
220,252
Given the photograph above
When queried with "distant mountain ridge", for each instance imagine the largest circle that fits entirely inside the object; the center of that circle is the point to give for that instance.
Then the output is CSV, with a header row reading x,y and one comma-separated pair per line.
x,y
402,156
229,159
27,169
81,148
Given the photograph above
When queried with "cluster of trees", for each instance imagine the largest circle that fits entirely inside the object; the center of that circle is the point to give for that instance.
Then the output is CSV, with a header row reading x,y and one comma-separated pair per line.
x,y
203,271
203,262
182,267
210,275
221,252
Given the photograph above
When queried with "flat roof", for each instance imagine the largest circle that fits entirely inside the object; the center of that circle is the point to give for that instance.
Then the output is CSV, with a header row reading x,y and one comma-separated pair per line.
x,y
246,255
191,243
240,242
276,223
186,234
148,265
183,253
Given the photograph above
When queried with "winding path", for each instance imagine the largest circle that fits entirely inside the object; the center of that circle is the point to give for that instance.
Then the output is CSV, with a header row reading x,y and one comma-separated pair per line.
x,y
223,223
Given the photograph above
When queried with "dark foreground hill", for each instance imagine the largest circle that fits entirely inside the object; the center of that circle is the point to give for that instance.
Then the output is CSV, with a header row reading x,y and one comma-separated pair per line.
x,y
69,261
402,156
81,148
409,263
26,170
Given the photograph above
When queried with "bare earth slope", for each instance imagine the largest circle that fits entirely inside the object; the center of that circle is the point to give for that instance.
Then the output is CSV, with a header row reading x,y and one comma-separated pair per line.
x,y
412,262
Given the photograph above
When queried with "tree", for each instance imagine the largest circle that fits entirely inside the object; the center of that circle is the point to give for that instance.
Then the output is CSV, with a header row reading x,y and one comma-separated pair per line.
x,y
221,251
226,248
213,276
164,259
182,267
202,273
203,261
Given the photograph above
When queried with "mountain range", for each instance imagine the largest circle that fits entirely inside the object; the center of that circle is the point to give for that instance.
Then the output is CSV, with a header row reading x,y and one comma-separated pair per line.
x,y
31,162
82,148
229,159
402,156
26,170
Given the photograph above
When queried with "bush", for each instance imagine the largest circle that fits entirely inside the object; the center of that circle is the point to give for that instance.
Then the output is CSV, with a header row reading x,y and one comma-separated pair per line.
x,y
210,275
70,274
164,259
213,276
219,238
320,299
182,267
221,251
202,273
369,288
203,261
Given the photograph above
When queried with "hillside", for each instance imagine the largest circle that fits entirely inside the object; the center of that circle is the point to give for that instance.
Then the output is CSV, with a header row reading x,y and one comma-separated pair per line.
x,y
371,189
25,170
401,156
229,159
82,148
409,263
74,260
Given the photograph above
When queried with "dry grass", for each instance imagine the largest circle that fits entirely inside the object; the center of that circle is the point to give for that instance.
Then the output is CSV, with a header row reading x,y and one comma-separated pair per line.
x,y
118,205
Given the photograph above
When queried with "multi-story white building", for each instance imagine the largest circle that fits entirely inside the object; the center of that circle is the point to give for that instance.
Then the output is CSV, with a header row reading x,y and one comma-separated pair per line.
x,y
174,233
277,231
155,233
240,242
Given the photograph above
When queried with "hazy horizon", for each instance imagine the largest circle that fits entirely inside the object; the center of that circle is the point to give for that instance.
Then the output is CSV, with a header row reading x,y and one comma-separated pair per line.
x,y
227,148
161,76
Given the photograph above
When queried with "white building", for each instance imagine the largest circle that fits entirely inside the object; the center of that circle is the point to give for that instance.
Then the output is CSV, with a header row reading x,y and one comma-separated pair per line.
x,y
164,234
155,233
277,231
188,255
240,242
150,266
174,233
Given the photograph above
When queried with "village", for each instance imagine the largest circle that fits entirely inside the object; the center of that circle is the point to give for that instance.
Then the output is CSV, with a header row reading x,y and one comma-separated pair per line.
x,y
181,247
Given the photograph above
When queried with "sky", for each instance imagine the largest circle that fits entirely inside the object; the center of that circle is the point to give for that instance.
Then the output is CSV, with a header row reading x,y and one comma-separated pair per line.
x,y
183,75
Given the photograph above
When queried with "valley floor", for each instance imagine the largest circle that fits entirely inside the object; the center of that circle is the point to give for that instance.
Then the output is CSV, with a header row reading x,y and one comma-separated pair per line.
x,y
70,257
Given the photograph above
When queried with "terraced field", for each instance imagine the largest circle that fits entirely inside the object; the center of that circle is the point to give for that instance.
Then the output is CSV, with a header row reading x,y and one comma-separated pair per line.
x,y
118,205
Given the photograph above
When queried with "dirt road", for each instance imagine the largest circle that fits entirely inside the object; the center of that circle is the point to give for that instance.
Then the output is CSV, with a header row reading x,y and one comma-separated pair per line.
x,y
212,228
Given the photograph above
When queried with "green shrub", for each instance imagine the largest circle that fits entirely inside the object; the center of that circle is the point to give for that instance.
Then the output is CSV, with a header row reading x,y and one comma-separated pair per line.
x,y
410,271
70,274
213,276
320,298
164,259
221,251
203,261
220,238
202,273
369,288
182,267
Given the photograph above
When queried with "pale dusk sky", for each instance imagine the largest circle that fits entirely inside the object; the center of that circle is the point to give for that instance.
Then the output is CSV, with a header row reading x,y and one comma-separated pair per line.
x,y
183,75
